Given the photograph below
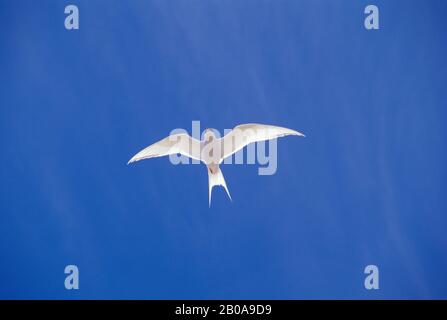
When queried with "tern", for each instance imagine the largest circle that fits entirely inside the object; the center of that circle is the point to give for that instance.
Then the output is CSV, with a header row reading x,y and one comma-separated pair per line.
x,y
213,150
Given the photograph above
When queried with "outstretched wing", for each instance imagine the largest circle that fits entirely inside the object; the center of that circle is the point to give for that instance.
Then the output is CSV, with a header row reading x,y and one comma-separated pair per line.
x,y
245,134
177,143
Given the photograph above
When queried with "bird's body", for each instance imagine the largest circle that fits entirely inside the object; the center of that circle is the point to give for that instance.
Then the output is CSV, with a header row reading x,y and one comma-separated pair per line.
x,y
212,150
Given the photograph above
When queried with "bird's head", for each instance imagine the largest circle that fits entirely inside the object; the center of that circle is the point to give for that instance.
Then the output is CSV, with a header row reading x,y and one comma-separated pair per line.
x,y
209,135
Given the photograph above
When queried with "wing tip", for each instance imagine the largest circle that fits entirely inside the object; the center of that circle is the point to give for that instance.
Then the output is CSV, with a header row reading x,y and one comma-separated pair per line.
x,y
297,133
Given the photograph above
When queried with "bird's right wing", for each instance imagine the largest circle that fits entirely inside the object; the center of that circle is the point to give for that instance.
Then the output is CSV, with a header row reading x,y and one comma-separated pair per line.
x,y
177,143
244,134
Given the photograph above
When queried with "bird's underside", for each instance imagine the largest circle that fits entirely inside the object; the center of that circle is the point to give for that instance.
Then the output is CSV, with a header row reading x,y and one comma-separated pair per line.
x,y
212,150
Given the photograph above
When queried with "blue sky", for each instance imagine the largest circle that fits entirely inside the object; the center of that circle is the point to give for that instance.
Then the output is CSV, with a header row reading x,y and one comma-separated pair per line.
x,y
366,186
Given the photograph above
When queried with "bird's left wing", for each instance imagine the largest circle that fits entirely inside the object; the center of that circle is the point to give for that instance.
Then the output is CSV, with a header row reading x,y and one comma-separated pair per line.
x,y
245,134
177,143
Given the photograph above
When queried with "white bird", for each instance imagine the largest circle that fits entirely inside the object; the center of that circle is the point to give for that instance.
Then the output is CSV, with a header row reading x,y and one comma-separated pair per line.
x,y
212,150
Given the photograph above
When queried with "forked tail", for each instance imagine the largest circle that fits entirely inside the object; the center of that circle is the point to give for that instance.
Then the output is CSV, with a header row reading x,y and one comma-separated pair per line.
x,y
216,178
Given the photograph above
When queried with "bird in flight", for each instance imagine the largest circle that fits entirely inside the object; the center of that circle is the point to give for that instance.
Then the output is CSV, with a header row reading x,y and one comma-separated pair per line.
x,y
213,150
